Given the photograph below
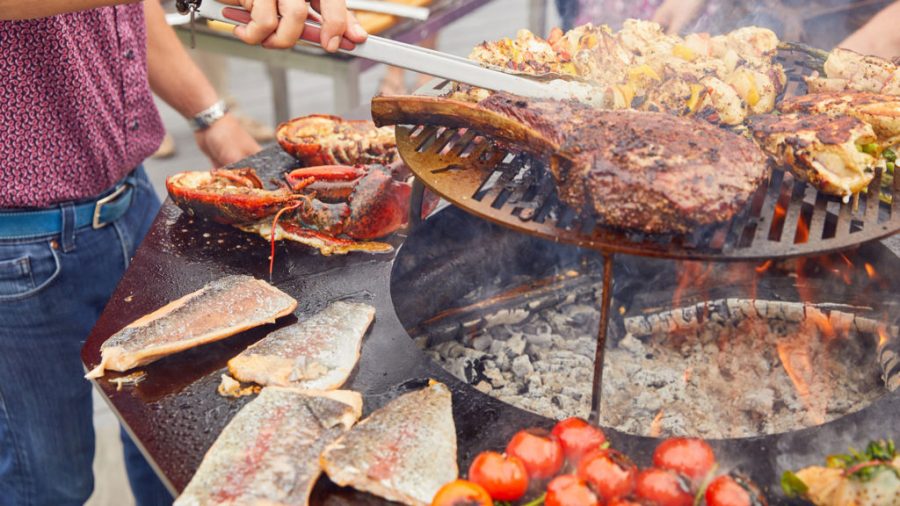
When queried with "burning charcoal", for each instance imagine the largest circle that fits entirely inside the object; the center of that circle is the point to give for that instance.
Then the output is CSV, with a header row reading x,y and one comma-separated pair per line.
x,y
494,376
482,342
516,345
522,367
538,328
500,332
484,387
539,340
506,317
793,311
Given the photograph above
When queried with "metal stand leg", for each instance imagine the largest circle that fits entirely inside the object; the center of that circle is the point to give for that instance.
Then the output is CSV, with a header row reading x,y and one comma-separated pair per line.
x,y
415,203
537,16
281,106
346,89
605,299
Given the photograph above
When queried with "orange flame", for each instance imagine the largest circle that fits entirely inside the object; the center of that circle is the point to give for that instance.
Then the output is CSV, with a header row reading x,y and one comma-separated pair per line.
x,y
870,270
795,359
656,425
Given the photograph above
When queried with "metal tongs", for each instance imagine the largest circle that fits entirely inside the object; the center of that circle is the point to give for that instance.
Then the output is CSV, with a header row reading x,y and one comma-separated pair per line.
x,y
418,59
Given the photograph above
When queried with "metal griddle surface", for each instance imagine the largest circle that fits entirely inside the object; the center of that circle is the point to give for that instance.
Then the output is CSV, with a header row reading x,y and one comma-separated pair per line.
x,y
176,414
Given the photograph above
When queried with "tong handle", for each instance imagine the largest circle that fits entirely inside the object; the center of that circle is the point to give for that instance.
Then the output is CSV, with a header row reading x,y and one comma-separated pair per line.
x,y
312,32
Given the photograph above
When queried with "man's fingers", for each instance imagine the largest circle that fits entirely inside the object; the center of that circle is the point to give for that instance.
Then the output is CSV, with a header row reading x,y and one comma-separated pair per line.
x,y
355,31
290,27
263,22
334,22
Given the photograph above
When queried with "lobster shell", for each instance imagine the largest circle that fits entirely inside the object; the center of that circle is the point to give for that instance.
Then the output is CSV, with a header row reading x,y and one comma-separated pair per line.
x,y
322,139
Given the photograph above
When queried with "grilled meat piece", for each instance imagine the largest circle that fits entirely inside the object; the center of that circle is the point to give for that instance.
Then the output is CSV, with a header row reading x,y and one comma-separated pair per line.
x,y
643,171
403,452
823,150
220,309
317,353
269,452
880,111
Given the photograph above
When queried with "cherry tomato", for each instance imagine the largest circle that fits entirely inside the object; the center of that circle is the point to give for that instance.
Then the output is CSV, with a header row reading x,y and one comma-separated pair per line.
x,y
504,478
610,473
539,450
690,457
569,490
724,491
578,438
622,502
462,493
662,487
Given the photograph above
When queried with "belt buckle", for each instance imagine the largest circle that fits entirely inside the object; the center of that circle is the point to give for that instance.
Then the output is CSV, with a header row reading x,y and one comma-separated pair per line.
x,y
95,222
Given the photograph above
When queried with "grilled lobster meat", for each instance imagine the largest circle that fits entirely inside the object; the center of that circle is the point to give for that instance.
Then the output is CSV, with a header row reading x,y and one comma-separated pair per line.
x,y
326,140
327,207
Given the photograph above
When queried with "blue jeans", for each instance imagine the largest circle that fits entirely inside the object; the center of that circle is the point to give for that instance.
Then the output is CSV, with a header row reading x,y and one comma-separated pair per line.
x,y
52,290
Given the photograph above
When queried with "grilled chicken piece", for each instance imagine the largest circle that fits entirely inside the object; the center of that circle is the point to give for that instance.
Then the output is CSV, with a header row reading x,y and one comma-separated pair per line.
x,y
403,452
830,487
848,70
268,454
317,353
880,111
636,66
643,171
220,309
823,150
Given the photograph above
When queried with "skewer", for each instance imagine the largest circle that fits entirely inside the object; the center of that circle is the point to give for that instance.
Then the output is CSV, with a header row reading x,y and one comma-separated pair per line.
x,y
816,53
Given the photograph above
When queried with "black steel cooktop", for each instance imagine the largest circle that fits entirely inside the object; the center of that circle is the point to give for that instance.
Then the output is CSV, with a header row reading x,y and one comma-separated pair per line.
x,y
176,414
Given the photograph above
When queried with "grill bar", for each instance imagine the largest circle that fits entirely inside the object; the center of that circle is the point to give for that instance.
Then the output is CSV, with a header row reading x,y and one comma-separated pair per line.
x,y
785,218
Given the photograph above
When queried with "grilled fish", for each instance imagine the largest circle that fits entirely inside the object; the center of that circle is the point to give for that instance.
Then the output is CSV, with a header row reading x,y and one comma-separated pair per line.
x,y
643,171
269,452
403,452
823,150
220,309
317,353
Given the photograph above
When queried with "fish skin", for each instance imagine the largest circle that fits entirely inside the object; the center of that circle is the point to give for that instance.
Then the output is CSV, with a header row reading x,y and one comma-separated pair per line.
x,y
209,314
268,453
317,353
403,452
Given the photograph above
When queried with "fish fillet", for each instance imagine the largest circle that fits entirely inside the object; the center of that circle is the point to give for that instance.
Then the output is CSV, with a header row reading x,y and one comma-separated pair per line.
x,y
268,453
403,452
220,309
317,353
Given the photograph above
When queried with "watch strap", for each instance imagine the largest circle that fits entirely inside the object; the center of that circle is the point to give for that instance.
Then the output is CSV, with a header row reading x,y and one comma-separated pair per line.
x,y
205,118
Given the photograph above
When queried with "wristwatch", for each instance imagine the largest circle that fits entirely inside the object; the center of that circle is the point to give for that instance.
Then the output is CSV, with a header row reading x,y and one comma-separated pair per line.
x,y
205,118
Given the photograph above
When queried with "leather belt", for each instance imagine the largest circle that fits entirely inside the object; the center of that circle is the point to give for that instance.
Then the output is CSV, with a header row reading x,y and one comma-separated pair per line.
x,y
98,213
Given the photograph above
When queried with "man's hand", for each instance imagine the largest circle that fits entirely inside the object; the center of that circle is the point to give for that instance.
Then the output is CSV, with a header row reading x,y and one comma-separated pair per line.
x,y
226,142
674,15
278,24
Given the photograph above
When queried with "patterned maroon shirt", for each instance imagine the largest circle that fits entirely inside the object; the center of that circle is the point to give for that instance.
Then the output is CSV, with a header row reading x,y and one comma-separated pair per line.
x,y
76,111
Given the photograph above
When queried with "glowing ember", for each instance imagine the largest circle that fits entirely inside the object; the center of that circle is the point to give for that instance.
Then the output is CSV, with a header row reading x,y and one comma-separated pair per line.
x,y
795,358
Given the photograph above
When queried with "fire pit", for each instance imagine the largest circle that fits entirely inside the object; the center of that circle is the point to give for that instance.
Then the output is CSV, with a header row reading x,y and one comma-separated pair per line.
x,y
519,325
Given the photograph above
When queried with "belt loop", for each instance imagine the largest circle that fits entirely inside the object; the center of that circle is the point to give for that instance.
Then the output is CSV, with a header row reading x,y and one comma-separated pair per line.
x,y
67,229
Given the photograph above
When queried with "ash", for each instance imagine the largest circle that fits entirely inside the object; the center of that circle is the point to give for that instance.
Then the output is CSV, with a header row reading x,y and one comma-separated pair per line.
x,y
725,377
729,378
537,359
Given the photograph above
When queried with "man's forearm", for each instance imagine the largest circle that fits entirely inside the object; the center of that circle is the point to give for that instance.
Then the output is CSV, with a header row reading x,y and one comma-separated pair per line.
x,y
880,36
32,9
174,76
